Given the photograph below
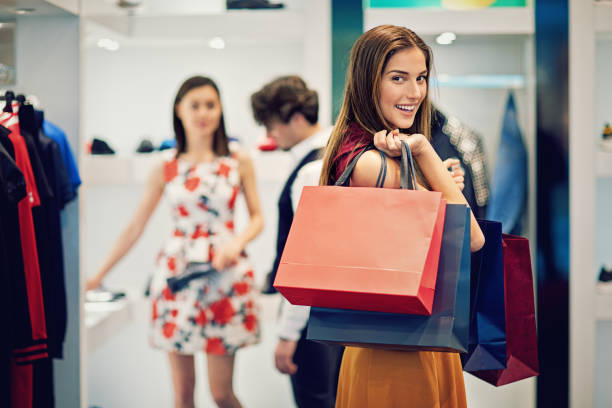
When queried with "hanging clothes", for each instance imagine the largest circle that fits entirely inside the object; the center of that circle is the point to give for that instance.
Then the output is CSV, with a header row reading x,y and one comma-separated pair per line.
x,y
14,301
28,237
57,134
450,138
34,348
509,186
51,178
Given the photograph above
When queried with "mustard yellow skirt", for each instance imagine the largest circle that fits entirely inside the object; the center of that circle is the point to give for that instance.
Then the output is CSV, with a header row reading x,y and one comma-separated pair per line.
x,y
375,378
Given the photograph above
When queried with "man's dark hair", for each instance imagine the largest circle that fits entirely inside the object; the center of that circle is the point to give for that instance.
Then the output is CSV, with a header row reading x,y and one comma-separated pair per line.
x,y
283,97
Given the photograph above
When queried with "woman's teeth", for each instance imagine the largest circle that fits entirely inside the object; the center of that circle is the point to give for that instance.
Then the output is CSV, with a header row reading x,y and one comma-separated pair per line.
x,y
405,108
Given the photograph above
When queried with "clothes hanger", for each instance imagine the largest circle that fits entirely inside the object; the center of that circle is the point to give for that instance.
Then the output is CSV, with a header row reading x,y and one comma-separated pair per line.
x,y
9,96
27,118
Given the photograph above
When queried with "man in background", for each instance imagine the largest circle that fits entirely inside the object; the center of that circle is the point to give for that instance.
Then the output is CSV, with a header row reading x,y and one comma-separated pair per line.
x,y
289,110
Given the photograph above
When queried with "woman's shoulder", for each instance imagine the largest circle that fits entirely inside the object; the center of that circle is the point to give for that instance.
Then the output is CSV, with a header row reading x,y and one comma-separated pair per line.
x,y
369,166
167,165
241,156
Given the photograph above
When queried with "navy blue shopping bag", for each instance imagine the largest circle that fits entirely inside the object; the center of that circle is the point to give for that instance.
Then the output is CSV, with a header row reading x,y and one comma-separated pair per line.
x,y
487,348
447,329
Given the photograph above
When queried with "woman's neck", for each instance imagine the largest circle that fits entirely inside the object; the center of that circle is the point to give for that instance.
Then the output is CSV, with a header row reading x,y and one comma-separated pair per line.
x,y
200,148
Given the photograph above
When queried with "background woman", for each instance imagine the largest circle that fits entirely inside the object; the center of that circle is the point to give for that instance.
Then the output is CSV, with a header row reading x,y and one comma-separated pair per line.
x,y
216,313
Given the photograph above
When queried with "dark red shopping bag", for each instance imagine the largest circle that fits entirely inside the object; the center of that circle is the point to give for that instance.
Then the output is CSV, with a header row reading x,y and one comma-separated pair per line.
x,y
521,335
364,248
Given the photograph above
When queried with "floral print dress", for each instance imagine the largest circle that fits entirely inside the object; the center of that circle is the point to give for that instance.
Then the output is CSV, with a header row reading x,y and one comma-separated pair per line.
x,y
217,313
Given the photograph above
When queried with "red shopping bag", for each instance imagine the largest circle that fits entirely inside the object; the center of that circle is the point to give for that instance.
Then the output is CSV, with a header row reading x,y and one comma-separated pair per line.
x,y
521,335
364,248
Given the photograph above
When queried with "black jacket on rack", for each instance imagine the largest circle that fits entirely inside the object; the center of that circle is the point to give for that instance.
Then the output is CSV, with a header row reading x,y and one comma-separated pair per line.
x,y
51,177
450,138
14,300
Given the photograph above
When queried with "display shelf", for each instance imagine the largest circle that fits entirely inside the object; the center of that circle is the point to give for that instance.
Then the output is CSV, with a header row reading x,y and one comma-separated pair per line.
x,y
603,17
117,170
480,81
104,319
511,20
112,169
604,164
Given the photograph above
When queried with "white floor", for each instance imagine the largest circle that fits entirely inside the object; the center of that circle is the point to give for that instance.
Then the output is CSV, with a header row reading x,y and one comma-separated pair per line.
x,y
126,372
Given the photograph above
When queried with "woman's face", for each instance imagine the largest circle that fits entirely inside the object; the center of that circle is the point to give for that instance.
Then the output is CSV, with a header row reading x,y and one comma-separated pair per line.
x,y
403,87
200,111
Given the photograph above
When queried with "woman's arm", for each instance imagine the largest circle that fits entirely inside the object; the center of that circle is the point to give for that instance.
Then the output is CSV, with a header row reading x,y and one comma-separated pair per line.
x,y
438,177
229,253
133,231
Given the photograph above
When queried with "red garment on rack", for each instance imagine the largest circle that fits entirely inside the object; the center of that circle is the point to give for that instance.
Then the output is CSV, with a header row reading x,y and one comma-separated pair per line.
x,y
26,227
22,385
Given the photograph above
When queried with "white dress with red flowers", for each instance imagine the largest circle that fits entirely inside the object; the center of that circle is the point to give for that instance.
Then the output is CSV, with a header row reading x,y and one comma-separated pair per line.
x,y
217,313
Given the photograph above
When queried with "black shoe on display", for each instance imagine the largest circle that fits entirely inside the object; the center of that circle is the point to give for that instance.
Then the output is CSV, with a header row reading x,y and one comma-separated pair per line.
x,y
252,4
102,294
605,275
145,146
99,146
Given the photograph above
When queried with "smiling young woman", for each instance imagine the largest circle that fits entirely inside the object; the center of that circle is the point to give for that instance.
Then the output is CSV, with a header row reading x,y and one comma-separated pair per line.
x,y
386,100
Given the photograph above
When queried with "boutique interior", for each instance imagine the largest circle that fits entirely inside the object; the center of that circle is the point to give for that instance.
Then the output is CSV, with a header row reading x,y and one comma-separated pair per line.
x,y
105,73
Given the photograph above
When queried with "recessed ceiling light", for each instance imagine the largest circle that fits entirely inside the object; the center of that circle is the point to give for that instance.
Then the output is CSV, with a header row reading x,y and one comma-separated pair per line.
x,y
217,43
108,44
446,38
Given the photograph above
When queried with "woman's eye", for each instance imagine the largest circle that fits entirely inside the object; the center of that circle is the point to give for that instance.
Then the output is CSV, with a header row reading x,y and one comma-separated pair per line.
x,y
421,78
194,106
210,105
396,78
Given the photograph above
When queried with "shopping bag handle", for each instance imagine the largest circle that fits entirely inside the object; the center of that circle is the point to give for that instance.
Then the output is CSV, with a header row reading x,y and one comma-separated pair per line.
x,y
407,173
407,176
344,178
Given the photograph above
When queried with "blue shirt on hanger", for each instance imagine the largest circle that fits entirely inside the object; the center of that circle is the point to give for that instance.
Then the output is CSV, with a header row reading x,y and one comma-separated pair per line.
x,y
509,184
59,136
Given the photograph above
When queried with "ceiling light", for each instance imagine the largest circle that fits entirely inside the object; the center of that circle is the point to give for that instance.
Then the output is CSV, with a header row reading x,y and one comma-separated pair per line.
x,y
446,38
108,44
217,43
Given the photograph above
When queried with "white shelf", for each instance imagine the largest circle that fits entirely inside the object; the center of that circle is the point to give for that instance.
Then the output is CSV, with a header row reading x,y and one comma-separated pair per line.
x,y
511,20
603,17
128,170
113,169
104,319
604,164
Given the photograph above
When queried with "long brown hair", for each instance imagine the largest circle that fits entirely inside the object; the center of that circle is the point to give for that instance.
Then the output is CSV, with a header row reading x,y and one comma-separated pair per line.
x,y
369,56
220,141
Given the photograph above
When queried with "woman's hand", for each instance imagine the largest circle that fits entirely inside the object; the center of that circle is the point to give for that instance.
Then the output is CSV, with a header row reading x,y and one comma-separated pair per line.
x,y
457,173
93,282
390,142
226,256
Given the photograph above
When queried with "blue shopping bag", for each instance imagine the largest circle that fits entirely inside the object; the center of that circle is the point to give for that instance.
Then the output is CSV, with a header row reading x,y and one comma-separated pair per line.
x,y
487,348
446,329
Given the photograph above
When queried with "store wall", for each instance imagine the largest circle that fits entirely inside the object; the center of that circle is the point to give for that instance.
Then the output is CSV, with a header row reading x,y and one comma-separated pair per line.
x,y
47,62
130,92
